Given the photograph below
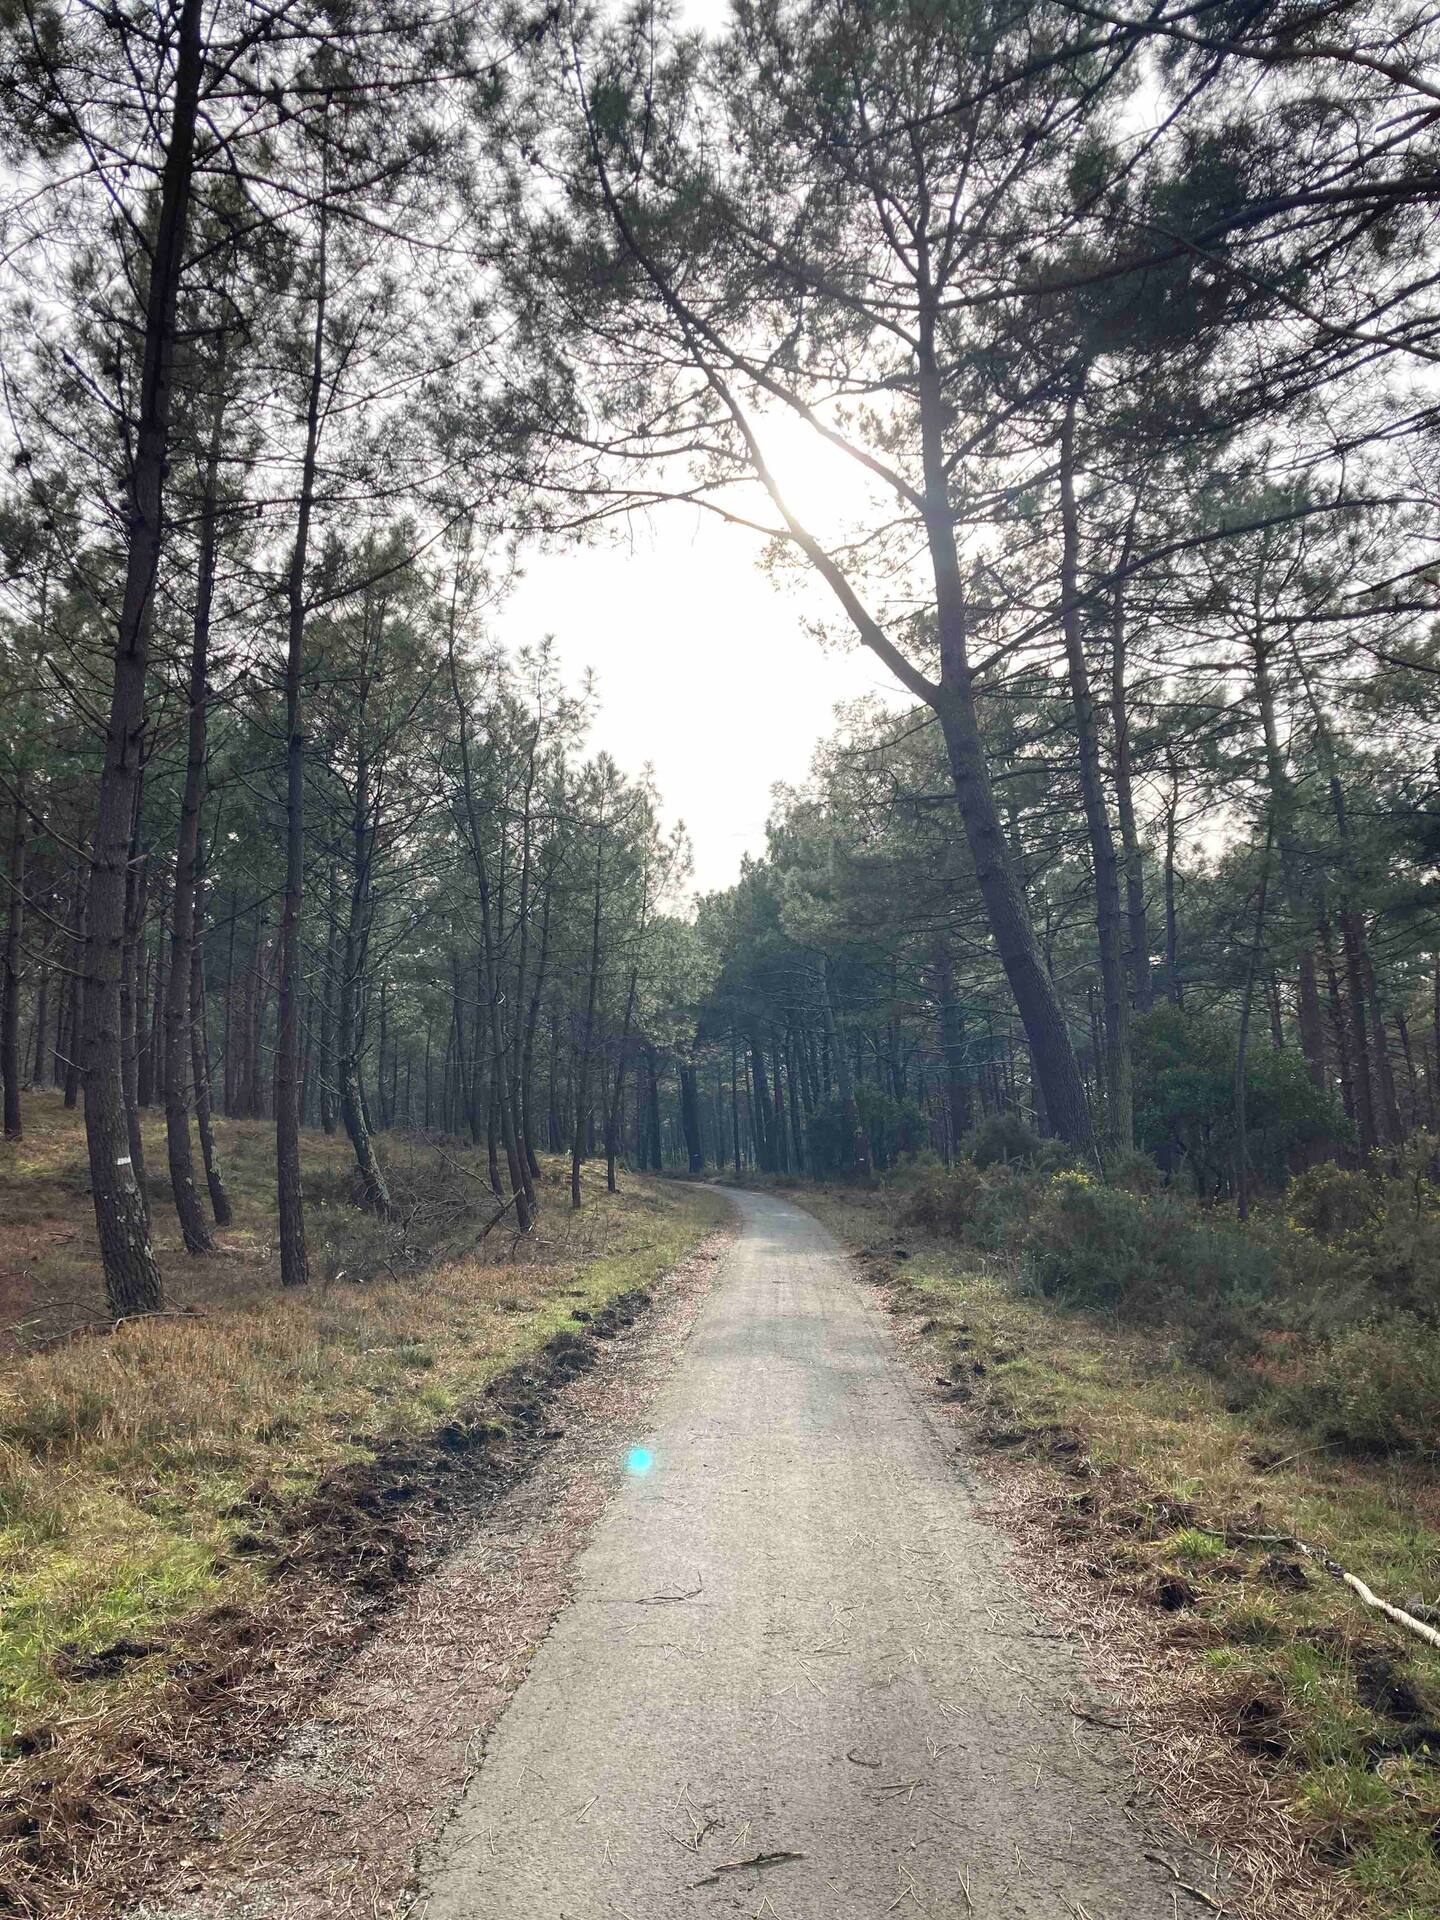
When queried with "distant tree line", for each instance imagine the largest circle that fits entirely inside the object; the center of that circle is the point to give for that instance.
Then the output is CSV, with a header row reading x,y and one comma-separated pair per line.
x,y
313,319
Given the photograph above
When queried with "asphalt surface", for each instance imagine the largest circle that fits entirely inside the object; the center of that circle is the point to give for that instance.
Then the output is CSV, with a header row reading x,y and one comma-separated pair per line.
x,y
793,1643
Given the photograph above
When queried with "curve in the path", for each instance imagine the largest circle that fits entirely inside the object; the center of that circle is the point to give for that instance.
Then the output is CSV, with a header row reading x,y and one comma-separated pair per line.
x,y
793,1637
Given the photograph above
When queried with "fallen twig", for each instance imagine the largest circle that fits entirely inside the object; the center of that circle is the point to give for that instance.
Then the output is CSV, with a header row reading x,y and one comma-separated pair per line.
x,y
738,1866
1184,1885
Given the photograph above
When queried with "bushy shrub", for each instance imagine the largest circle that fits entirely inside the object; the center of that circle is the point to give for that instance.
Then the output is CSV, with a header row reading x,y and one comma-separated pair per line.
x,y
1134,1172
1185,1101
1375,1389
1004,1139
1329,1201
1100,1246
1380,1229
947,1202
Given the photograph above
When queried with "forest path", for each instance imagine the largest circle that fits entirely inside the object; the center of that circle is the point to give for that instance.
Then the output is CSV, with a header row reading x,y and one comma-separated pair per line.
x,y
793,1637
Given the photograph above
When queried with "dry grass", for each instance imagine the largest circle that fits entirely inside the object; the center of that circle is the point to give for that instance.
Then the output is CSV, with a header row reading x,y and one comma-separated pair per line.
x,y
133,1462
1278,1717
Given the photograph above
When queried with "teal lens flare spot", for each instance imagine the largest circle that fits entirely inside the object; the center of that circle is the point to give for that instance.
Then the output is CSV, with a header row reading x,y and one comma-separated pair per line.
x,y
639,1460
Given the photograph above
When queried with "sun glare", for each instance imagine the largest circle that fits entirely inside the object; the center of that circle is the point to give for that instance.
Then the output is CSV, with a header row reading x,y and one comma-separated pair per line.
x,y
825,487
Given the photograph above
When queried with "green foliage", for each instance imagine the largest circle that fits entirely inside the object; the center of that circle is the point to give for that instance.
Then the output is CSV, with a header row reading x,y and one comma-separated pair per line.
x,y
948,1203
1185,1111
896,1129
1374,1389
1100,1246
1004,1139
1381,1229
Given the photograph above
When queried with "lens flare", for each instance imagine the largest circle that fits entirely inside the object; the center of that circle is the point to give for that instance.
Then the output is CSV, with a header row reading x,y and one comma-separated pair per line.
x,y
639,1460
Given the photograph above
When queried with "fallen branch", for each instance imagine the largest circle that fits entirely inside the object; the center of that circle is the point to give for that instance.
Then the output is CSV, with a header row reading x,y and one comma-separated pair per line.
x,y
1396,1615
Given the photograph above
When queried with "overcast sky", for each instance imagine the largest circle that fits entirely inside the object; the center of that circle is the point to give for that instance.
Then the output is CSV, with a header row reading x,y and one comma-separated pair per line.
x,y
704,670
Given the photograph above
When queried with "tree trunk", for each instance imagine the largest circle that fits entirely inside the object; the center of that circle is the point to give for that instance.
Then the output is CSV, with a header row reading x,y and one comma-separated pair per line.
x,y
294,1255
1172,939
200,1058
327,1007
1036,998
582,1077
10,1006
855,1142
136,893
132,1279
1119,1096
1142,980
521,1187
690,1118
180,985
1282,792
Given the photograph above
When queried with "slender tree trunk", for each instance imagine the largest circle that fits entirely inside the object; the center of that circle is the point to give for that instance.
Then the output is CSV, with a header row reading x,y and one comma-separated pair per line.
x,y
42,1027
1119,1096
527,1058
1141,978
690,1118
855,1142
294,1254
1242,1156
517,1167
1036,998
1282,791
180,985
132,1279
582,1077
200,1058
327,1007
10,1007
734,1105
1172,939
136,896
760,1112
614,1112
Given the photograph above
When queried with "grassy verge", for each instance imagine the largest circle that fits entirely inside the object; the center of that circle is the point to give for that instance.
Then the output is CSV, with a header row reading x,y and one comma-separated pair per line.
x,y
1140,1476
134,1462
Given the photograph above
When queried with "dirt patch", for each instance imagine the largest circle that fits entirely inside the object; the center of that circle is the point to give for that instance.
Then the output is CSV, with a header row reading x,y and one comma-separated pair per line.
x,y
366,1607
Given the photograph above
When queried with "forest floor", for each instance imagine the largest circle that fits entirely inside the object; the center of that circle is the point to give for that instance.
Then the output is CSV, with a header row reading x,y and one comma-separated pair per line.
x,y
201,1514
1278,1716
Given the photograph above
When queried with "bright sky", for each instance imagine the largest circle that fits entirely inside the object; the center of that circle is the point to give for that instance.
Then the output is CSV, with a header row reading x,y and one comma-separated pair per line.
x,y
703,670
703,666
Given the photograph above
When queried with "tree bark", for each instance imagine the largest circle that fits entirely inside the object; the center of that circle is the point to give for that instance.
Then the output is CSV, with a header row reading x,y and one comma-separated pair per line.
x,y
294,1254
132,1279
180,985
10,1007
1119,1096
855,1142
582,1077
1142,980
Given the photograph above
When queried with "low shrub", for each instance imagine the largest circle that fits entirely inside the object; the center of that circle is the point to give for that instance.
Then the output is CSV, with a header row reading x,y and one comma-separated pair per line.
x,y
1100,1246
1375,1389
1004,1139
946,1202
1329,1201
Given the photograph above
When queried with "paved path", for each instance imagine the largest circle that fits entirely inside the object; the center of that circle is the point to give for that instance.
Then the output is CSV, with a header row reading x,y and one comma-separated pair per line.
x,y
793,1636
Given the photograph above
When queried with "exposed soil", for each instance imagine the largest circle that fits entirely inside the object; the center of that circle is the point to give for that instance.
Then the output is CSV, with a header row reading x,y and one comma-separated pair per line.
x,y
369,1616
